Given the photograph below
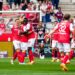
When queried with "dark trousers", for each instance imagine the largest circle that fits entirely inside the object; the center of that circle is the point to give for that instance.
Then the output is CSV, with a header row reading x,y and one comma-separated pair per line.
x,y
55,3
17,2
10,3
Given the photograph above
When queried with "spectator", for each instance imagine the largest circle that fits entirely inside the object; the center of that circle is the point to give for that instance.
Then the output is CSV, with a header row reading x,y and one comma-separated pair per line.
x,y
59,15
43,8
39,4
11,2
17,4
47,16
29,7
34,8
47,19
36,21
34,1
52,17
23,1
24,7
1,4
55,3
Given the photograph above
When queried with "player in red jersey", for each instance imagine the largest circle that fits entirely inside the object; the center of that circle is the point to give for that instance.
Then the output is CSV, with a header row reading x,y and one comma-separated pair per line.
x,y
23,38
16,41
28,33
31,40
55,51
64,29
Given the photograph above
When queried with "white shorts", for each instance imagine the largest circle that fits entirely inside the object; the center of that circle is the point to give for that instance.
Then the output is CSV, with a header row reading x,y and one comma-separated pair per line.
x,y
72,43
16,44
54,43
64,47
31,42
23,46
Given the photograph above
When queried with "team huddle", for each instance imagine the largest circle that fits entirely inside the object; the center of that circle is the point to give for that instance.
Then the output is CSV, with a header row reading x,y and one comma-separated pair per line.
x,y
23,39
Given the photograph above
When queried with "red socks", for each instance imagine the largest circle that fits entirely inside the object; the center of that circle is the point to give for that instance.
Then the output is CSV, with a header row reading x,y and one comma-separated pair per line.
x,y
20,57
66,57
53,53
31,57
58,55
15,56
71,54
23,56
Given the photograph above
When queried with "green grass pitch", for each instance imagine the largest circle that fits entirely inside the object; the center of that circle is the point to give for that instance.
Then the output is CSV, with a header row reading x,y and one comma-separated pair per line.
x,y
41,67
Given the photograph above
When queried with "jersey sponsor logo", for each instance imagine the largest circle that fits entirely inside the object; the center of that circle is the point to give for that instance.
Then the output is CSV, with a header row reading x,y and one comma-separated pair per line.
x,y
62,28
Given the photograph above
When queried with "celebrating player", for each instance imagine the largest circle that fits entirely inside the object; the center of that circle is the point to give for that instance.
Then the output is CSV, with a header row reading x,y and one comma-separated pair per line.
x,y
55,51
16,42
31,40
64,29
23,38
28,39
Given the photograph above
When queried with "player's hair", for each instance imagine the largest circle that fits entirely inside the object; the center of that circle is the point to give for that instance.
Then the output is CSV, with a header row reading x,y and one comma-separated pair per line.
x,y
25,21
67,16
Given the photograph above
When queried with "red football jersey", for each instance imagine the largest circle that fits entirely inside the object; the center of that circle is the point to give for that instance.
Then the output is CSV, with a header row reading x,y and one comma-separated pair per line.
x,y
64,32
31,32
15,33
23,38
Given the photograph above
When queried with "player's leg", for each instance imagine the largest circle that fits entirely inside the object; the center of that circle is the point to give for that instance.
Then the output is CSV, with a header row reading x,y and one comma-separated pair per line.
x,y
30,45
58,52
54,50
16,45
23,48
61,50
66,56
53,55
67,52
57,55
